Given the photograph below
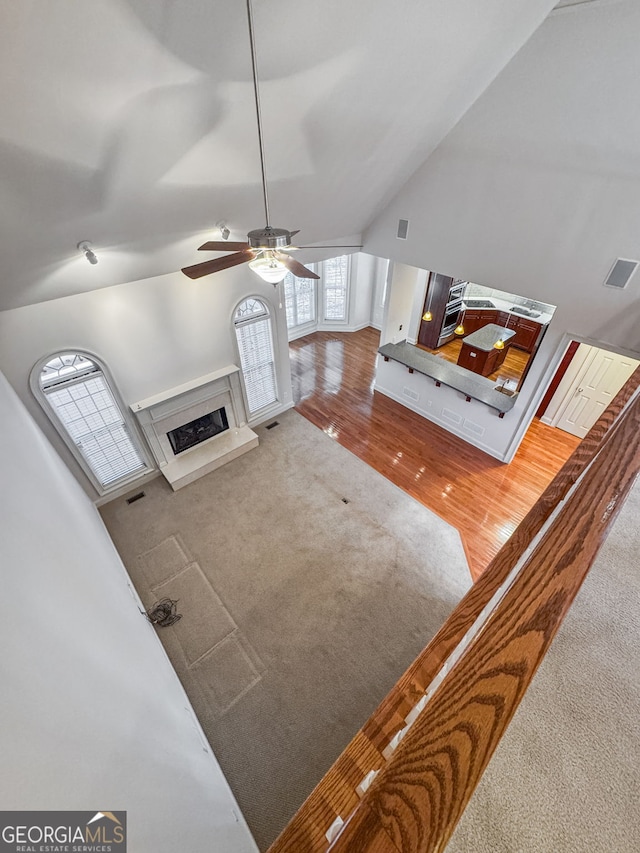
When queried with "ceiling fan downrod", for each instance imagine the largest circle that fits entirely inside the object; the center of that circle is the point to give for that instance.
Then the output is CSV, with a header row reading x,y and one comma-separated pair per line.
x,y
254,67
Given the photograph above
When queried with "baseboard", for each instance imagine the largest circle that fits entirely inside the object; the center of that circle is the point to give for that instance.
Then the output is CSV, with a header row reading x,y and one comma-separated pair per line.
x,y
129,487
278,410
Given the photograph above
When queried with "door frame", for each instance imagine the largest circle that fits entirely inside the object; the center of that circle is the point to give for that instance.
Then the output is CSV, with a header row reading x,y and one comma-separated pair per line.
x,y
576,371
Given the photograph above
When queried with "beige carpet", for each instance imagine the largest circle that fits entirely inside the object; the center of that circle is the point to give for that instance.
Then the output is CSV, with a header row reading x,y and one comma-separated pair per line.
x,y
566,776
307,584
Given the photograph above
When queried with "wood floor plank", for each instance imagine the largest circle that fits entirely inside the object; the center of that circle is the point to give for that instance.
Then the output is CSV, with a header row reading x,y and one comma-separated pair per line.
x,y
333,375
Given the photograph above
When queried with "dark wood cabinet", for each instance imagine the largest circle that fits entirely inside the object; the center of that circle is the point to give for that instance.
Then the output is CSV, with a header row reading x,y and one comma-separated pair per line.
x,y
436,300
481,361
474,320
527,334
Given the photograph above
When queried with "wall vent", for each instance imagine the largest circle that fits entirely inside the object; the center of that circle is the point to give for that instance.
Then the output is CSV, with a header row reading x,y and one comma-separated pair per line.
x,y
412,395
476,429
403,229
452,416
621,272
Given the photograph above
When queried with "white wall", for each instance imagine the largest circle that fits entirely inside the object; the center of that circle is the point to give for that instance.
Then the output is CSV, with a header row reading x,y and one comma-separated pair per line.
x,y
381,284
153,335
92,714
536,191
407,289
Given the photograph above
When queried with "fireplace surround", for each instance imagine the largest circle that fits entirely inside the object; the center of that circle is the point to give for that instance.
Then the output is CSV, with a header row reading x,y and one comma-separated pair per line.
x,y
196,427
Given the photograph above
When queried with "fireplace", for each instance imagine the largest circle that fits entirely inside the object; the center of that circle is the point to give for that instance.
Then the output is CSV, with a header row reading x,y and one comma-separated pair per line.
x,y
196,427
195,432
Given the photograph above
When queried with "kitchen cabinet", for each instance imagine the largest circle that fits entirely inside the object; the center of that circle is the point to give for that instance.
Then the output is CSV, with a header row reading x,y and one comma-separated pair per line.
x,y
444,302
474,320
526,330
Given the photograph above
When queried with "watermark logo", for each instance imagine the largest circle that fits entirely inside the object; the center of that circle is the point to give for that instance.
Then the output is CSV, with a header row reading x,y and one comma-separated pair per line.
x,y
63,832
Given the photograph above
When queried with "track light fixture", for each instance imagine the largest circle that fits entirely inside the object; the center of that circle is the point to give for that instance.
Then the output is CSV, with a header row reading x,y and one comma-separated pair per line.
x,y
224,231
90,255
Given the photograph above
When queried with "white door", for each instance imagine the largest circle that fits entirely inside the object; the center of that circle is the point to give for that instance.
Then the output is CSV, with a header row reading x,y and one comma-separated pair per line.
x,y
603,375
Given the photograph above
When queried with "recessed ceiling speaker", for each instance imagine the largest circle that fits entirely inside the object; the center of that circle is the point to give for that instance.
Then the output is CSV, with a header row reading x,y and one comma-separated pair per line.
x,y
621,272
403,229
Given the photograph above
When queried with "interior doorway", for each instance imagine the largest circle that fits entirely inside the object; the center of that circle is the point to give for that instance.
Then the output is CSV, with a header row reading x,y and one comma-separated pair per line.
x,y
587,380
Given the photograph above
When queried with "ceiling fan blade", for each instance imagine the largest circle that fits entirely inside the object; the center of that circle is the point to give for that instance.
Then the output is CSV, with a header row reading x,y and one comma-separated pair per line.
x,y
217,264
222,246
294,232
325,247
296,267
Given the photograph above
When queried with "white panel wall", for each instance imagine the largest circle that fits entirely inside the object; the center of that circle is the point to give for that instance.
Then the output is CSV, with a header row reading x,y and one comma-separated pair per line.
x,y
92,715
153,335
536,191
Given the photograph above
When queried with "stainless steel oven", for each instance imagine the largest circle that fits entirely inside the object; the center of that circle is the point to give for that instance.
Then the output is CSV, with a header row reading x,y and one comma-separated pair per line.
x,y
456,291
452,315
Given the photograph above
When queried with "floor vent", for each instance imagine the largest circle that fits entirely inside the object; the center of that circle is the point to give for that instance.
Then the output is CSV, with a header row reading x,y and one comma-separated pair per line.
x,y
135,498
272,425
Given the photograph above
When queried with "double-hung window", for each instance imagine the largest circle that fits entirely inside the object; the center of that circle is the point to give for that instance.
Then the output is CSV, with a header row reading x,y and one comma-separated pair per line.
x,y
252,323
300,300
79,399
335,288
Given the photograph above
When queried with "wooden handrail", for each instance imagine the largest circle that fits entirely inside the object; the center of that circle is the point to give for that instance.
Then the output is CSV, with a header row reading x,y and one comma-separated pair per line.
x,y
415,803
336,793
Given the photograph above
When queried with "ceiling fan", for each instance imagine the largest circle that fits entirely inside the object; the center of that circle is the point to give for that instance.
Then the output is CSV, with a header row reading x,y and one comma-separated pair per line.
x,y
266,250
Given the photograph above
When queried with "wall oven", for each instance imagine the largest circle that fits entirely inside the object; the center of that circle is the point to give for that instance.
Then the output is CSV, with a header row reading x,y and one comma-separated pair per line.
x,y
452,316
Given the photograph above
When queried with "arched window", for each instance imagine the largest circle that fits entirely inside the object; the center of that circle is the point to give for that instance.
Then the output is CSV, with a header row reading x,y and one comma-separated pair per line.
x,y
252,323
75,392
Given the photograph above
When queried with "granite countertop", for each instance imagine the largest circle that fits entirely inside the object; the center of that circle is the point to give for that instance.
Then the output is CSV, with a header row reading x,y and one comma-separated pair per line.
x,y
501,305
486,337
459,378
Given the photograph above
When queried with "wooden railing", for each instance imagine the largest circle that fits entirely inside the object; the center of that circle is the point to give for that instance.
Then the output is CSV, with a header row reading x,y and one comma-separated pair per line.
x,y
429,751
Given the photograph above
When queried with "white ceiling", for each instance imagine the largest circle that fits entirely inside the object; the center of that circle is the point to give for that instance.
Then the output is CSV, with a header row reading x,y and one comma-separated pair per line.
x,y
131,123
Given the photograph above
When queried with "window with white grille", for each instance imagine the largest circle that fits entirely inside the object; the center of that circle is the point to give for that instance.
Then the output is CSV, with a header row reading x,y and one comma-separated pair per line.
x,y
255,344
300,300
77,394
335,288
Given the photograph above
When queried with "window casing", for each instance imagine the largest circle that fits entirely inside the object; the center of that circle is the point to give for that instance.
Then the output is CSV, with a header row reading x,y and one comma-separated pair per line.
x,y
335,289
252,323
81,402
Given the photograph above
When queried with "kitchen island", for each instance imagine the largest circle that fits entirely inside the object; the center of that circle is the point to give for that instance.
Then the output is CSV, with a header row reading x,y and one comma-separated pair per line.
x,y
479,353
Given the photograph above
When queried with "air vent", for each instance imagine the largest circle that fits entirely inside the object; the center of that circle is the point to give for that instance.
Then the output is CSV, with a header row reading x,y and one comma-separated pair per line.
x,y
272,425
621,272
403,229
135,498
410,393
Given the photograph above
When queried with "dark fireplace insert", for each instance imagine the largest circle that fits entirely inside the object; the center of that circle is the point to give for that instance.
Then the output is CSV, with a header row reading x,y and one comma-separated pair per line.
x,y
195,432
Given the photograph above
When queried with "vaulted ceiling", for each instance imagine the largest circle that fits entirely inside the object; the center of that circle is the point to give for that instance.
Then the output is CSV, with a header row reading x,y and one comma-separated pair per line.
x,y
131,123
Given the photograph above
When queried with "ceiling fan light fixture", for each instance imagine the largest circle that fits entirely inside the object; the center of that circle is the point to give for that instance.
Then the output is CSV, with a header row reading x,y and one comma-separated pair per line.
x,y
269,268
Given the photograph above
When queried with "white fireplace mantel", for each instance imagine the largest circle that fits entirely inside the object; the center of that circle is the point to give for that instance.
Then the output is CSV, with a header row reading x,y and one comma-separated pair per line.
x,y
163,412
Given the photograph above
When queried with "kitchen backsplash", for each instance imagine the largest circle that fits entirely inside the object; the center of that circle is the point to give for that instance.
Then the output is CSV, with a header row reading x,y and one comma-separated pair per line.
x,y
480,291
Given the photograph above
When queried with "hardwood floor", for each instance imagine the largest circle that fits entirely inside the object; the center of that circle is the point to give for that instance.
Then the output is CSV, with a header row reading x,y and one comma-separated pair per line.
x,y
333,375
